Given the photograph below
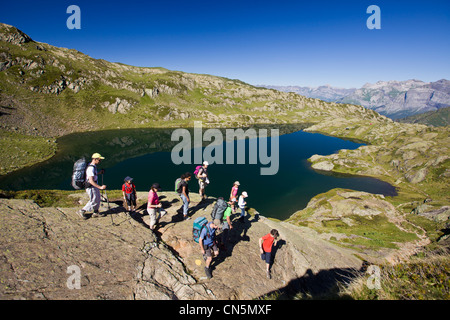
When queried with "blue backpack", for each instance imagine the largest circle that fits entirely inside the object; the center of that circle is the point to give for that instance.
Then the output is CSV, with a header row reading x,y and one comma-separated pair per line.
x,y
198,226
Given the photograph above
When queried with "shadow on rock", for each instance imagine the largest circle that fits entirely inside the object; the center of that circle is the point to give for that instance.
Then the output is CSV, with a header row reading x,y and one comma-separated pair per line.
x,y
323,285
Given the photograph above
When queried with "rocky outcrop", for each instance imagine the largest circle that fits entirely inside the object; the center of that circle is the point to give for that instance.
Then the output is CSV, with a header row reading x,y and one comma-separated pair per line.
x,y
118,257
13,35
363,221
119,105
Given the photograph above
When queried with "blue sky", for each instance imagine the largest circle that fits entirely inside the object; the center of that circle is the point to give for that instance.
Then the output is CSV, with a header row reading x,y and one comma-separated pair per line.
x,y
260,42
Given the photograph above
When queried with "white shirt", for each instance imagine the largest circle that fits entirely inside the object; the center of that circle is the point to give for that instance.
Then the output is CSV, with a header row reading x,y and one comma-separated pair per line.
x,y
241,202
91,171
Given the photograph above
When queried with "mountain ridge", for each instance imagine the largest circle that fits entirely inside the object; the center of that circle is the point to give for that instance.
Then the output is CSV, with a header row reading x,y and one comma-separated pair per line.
x,y
394,99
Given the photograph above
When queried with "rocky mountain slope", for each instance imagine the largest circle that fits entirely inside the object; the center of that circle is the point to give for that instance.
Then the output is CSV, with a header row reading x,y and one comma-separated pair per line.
x,y
437,118
394,99
399,99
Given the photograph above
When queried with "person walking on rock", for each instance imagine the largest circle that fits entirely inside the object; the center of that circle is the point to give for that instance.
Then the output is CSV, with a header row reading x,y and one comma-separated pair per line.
x,y
265,247
93,188
208,244
203,179
242,203
129,194
226,226
233,195
154,206
183,191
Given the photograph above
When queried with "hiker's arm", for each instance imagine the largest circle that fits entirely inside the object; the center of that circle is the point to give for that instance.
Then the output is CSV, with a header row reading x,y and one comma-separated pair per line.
x,y
260,245
94,184
200,242
184,192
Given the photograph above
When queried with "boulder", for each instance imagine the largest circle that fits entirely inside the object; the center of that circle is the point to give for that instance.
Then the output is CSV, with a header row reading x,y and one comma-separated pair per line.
x,y
323,165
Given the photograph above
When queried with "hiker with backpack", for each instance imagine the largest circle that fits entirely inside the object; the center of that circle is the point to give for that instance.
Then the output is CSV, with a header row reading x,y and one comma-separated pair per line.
x,y
219,209
182,188
208,244
265,247
129,194
154,206
92,187
201,172
226,226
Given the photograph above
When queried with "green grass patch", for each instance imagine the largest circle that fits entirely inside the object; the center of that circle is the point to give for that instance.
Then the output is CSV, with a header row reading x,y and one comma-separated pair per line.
x,y
373,232
20,150
425,278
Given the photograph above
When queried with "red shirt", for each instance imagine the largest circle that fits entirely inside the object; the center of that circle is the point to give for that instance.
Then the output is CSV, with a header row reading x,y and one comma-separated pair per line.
x,y
267,242
128,188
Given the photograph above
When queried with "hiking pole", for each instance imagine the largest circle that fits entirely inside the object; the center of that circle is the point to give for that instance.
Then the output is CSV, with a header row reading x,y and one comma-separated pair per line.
x,y
107,201
106,195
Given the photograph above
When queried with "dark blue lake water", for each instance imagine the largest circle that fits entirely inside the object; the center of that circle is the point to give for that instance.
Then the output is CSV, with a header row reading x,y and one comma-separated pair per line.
x,y
145,155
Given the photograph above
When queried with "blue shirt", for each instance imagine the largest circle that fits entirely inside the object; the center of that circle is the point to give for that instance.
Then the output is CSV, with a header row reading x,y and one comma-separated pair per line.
x,y
208,235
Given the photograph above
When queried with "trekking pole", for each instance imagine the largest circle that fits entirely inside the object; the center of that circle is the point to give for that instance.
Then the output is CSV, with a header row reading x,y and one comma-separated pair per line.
x,y
106,195
107,201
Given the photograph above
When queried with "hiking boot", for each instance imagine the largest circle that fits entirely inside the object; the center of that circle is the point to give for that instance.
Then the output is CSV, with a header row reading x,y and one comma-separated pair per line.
x,y
208,273
96,214
81,213
269,276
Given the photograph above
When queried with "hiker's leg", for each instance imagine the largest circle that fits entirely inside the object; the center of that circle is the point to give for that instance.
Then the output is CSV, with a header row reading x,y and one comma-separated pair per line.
x,y
90,205
96,200
208,261
127,197
133,202
185,205
242,212
152,215
225,231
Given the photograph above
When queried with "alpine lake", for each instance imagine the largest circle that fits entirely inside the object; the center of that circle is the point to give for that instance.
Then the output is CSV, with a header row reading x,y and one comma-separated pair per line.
x,y
146,156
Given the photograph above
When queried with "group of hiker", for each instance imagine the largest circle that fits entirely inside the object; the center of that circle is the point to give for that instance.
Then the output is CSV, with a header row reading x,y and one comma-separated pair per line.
x,y
204,231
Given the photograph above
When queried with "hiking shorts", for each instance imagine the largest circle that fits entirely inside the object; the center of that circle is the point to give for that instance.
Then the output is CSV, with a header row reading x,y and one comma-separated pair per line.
x,y
202,184
266,256
210,249
131,199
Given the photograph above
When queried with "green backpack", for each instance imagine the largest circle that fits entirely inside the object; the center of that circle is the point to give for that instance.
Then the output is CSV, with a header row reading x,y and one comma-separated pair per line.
x,y
177,185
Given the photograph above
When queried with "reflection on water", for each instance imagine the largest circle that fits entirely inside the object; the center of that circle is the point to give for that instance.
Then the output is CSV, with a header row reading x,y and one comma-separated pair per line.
x,y
145,155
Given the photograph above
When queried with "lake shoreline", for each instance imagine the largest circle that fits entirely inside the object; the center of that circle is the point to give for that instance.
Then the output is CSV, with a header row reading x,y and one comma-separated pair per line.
x,y
140,148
